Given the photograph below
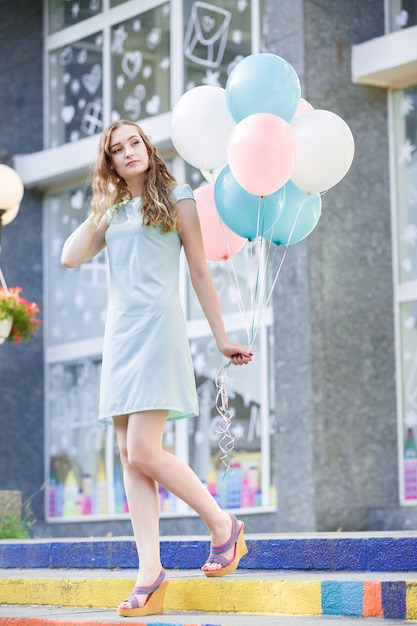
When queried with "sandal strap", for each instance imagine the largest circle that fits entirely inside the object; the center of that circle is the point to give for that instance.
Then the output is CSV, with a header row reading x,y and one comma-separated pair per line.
x,y
132,599
216,551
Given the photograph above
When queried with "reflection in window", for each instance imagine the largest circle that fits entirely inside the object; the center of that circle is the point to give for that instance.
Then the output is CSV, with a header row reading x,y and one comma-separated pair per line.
x,y
141,64
75,87
77,298
405,119
63,13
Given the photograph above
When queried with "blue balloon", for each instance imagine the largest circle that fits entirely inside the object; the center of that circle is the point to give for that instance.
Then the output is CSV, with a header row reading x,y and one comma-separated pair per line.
x,y
247,215
300,213
263,83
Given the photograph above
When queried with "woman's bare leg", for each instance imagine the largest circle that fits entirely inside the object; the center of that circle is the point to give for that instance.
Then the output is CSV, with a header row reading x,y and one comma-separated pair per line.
x,y
145,464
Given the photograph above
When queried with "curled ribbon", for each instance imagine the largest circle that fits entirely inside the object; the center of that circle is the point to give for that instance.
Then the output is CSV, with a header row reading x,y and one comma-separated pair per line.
x,y
227,441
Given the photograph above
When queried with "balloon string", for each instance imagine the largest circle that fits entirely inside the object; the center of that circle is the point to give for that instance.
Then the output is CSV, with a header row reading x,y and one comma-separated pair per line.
x,y
227,441
3,283
269,263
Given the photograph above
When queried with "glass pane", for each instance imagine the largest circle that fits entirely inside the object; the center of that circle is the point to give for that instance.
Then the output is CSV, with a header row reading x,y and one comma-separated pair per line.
x,y
77,298
405,119
141,65
408,329
77,442
403,14
215,39
75,91
241,487
63,13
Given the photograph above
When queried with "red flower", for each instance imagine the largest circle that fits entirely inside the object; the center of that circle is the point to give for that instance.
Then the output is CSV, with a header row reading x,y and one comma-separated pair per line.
x,y
25,322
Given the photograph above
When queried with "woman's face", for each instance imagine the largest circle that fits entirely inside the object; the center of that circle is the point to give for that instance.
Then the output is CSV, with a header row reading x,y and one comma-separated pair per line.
x,y
129,154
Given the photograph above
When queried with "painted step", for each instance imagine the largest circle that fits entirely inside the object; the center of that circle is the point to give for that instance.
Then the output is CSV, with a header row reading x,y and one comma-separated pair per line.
x,y
356,552
364,594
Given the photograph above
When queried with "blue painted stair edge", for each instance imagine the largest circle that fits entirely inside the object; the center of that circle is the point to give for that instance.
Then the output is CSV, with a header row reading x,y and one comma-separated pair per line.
x,y
359,554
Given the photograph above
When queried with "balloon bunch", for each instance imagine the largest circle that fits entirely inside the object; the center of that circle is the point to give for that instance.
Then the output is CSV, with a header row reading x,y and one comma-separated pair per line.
x,y
267,155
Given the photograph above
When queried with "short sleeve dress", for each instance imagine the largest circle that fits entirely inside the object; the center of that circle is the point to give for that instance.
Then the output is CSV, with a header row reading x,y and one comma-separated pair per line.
x,y
146,361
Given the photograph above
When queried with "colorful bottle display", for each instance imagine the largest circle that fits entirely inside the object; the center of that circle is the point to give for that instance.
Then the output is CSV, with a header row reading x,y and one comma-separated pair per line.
x,y
410,466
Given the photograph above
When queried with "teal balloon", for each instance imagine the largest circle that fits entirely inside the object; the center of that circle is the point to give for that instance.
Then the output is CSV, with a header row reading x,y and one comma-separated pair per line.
x,y
263,83
300,213
247,215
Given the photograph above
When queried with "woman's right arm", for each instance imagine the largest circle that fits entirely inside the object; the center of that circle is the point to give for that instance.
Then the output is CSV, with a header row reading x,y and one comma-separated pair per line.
x,y
84,243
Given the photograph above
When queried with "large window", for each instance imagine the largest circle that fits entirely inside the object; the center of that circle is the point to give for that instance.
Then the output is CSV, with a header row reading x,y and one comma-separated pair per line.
x,y
107,60
404,115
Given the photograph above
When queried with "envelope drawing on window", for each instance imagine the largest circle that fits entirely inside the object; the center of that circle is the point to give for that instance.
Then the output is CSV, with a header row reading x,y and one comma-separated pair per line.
x,y
206,35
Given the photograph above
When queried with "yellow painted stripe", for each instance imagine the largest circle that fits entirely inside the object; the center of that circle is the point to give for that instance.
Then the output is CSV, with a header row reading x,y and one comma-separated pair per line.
x,y
411,601
215,595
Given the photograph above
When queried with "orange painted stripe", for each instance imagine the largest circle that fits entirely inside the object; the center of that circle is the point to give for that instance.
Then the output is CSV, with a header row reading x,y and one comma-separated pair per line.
x,y
372,599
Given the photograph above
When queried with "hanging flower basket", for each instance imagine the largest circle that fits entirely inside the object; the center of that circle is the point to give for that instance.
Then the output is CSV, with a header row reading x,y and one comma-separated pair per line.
x,y
5,328
23,314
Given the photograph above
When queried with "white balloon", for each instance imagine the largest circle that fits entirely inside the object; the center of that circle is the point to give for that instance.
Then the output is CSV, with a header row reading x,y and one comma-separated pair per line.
x,y
200,127
325,150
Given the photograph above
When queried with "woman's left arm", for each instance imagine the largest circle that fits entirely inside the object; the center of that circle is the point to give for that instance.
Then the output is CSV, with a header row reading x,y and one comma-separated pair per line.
x,y
202,281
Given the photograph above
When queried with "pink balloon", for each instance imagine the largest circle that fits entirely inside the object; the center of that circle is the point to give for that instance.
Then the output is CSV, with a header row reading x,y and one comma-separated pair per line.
x,y
261,153
220,243
303,107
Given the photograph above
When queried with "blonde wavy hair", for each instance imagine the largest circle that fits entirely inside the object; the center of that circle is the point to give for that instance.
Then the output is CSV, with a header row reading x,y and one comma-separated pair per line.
x,y
109,188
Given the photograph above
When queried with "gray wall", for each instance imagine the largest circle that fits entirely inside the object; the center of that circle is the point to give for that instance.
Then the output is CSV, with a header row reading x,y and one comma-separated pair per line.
x,y
21,365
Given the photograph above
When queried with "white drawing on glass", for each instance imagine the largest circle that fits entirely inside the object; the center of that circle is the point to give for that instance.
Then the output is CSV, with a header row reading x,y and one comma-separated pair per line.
x,y
120,82
94,5
74,135
79,299
165,64
92,80
77,199
402,18
132,63
407,265
153,105
410,234
153,38
407,104
242,5
66,77
119,38
238,431
406,152
147,72
137,26
133,106
81,103
212,78
75,86
82,56
237,37
53,83
92,121
66,55
99,40
206,34
67,113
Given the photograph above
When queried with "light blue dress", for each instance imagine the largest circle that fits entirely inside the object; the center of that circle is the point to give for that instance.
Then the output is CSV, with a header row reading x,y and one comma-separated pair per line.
x,y
146,355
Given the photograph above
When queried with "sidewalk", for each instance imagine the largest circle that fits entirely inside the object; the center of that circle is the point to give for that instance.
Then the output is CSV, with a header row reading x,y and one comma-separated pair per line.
x,y
56,616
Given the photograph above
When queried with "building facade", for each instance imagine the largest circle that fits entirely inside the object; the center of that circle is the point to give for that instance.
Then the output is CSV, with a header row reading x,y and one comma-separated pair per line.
x,y
324,421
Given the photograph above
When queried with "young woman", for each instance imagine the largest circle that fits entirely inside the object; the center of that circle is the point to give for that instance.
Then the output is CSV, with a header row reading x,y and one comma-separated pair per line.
x,y
144,217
